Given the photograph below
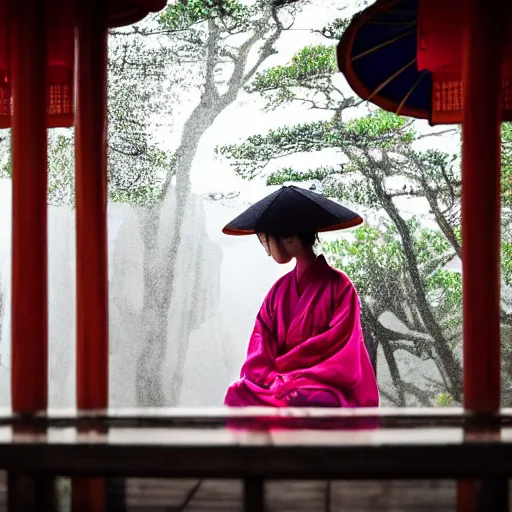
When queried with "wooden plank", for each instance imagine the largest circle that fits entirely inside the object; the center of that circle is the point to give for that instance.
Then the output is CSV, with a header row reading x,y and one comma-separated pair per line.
x,y
262,418
289,496
226,413
227,453
159,495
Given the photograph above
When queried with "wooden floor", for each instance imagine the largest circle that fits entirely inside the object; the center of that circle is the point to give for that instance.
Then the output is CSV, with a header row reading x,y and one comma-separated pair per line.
x,y
181,444
157,495
226,496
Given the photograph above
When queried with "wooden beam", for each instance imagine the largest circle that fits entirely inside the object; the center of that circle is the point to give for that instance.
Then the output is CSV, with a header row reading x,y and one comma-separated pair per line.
x,y
274,454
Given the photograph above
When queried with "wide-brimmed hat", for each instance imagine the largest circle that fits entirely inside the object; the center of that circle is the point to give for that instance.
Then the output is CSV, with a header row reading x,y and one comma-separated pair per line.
x,y
292,210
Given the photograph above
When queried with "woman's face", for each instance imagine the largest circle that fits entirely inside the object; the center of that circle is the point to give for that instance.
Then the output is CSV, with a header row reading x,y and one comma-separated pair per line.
x,y
276,247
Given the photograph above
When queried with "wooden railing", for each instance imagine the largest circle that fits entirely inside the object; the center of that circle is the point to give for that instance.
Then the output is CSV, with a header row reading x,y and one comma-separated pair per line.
x,y
257,445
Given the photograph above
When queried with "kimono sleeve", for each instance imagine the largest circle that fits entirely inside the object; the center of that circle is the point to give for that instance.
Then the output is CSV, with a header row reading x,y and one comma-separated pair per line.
x,y
334,356
259,366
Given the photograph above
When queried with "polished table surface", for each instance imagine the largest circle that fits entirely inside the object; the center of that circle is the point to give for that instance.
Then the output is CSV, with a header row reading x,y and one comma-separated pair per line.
x,y
272,443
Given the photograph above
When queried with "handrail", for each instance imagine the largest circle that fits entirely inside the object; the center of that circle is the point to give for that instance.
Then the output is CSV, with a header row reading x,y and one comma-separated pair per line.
x,y
256,445
175,417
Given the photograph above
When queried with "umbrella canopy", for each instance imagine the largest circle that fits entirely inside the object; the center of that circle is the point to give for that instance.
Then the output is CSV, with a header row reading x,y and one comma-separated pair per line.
x,y
405,56
292,210
126,12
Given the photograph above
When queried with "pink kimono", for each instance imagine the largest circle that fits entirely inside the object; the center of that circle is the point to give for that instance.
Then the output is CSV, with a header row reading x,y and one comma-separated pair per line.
x,y
307,349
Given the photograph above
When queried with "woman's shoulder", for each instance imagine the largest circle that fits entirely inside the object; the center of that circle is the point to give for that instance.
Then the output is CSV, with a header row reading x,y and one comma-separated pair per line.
x,y
341,280
341,277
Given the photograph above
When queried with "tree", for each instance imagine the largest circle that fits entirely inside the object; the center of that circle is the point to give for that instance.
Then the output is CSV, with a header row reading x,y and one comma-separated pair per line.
x,y
399,247
397,266
137,166
213,49
216,40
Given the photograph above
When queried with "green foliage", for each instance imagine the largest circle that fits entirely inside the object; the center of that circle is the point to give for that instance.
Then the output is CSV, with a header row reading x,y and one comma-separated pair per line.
x,y
335,29
180,16
307,78
310,63
250,157
506,198
444,400
130,180
61,168
289,174
376,262
381,129
506,260
373,254
506,134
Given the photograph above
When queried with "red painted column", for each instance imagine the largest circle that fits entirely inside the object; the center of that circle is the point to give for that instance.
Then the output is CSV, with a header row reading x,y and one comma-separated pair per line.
x,y
91,228
91,207
29,313
483,53
481,204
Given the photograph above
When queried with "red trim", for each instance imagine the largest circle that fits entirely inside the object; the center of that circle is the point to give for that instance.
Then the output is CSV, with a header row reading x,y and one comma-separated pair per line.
x,y
334,227
129,12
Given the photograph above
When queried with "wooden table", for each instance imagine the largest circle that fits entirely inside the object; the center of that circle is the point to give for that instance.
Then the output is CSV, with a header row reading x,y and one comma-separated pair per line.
x,y
254,445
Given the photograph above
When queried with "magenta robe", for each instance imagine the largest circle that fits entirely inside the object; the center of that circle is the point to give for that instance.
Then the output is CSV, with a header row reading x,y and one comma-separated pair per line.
x,y
307,349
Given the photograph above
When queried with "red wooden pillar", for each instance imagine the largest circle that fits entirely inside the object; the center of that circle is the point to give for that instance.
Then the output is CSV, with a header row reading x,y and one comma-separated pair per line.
x,y
481,204
91,227
483,53
29,310
29,306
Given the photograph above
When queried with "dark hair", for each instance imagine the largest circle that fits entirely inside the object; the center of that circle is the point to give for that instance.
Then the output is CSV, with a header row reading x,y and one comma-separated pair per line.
x,y
308,239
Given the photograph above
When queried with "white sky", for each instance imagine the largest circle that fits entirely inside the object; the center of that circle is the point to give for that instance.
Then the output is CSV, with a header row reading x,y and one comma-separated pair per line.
x,y
246,117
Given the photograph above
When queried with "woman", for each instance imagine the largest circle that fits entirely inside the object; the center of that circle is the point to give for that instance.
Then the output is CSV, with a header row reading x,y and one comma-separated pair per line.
x,y
307,347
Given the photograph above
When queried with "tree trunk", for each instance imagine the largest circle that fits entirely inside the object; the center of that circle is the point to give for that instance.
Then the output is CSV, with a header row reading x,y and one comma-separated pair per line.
x,y
149,388
389,355
451,368
159,272
160,276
